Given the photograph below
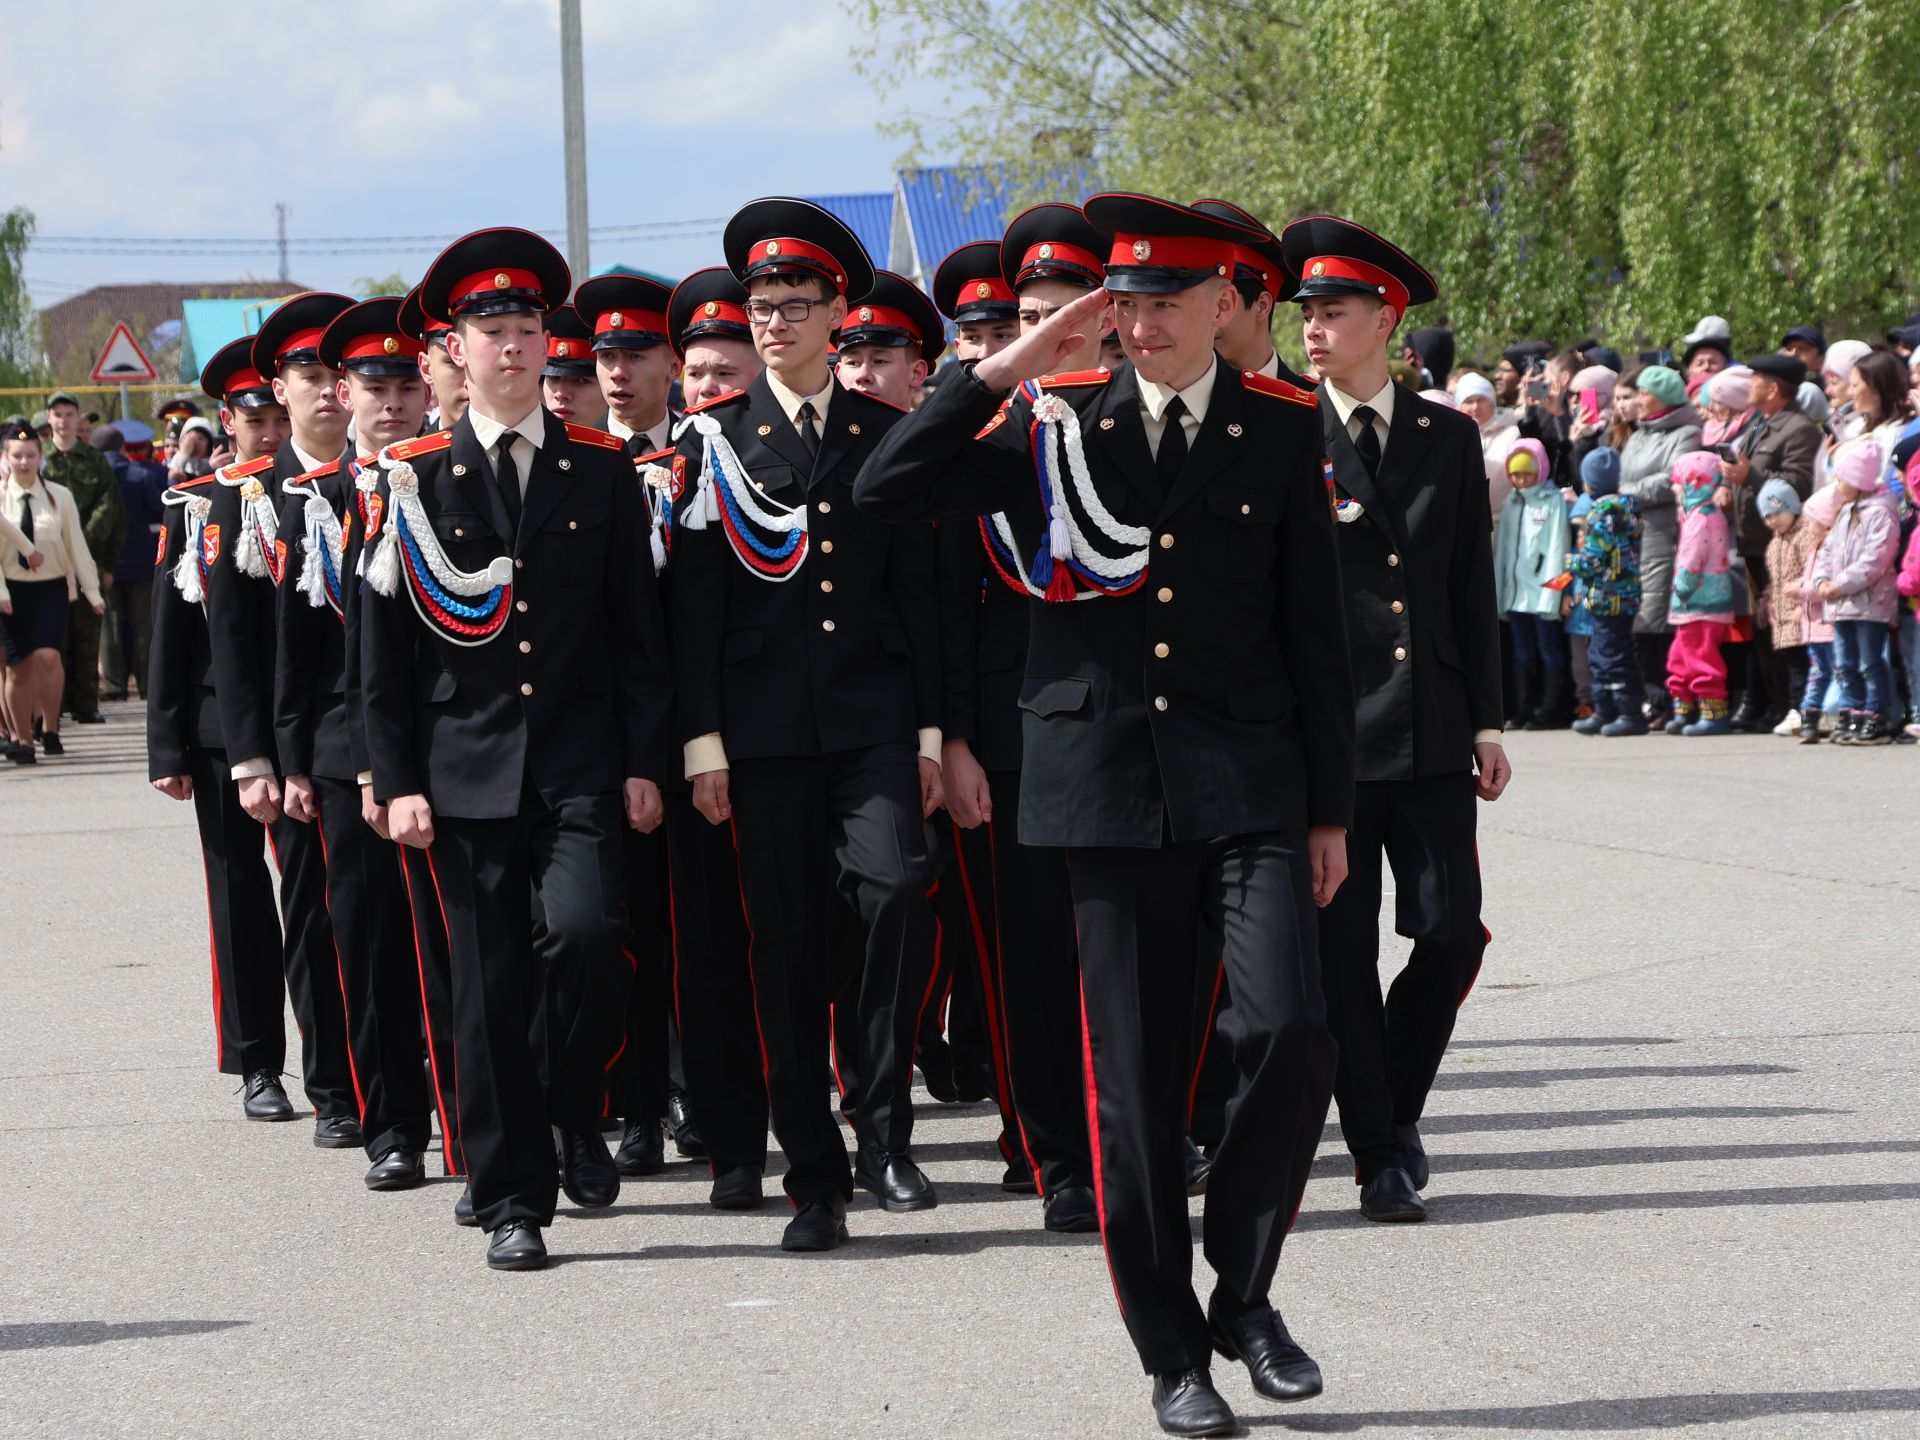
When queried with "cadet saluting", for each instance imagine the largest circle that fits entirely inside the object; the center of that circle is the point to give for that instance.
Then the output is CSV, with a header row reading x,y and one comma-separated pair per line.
x,y
1189,739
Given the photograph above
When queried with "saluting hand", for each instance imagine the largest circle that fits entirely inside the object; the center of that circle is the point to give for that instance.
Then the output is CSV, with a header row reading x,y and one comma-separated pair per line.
x,y
410,818
1040,351
644,808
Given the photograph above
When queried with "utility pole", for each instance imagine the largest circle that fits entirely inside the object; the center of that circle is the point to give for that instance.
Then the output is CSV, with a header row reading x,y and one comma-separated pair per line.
x,y
280,215
573,105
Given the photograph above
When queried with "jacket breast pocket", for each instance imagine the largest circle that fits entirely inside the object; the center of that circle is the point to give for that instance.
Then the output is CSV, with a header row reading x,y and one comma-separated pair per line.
x,y
433,687
1050,697
1250,516
456,527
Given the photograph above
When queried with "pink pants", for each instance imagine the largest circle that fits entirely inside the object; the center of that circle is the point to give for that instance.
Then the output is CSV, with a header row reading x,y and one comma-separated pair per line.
x,y
1695,667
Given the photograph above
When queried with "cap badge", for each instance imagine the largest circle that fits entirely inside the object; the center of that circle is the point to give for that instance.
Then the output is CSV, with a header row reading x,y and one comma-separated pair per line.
x,y
616,320
773,247
1046,252
1319,268
711,309
866,314
982,290
1142,249
391,345
502,280
560,350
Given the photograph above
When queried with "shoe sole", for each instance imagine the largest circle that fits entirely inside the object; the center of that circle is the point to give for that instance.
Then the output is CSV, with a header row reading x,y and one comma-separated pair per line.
x,y
586,1204
467,1222
530,1262
737,1206
902,1207
1229,1426
633,1172
353,1142
812,1247
1397,1217
269,1119
1226,1353
1089,1226
1198,1187
400,1182
1019,1187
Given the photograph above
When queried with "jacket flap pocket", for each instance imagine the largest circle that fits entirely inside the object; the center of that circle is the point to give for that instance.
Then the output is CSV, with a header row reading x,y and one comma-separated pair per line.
x,y
1244,507
459,525
742,643
1447,651
433,687
576,520
1048,696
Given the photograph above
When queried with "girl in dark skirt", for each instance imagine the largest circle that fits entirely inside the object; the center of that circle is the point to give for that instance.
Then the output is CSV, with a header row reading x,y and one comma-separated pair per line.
x,y
34,600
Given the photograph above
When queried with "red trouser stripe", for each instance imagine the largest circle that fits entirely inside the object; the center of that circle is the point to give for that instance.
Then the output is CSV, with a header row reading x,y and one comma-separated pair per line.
x,y
213,950
339,964
454,1167
759,1027
995,996
440,899
1206,1037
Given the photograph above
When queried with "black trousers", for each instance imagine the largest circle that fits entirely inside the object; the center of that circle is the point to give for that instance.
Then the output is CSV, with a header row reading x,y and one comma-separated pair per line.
x,y
433,968
313,968
961,1028
367,903
1152,924
638,1069
1032,964
488,874
1390,1050
713,990
803,828
249,981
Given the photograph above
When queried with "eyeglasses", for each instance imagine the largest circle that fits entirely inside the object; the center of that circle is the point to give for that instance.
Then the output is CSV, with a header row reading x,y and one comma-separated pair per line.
x,y
794,312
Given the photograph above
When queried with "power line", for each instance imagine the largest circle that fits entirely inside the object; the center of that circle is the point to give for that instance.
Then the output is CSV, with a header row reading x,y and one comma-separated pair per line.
x,y
260,244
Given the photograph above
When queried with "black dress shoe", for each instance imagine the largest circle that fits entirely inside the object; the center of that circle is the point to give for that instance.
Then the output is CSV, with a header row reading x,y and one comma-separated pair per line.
x,y
972,1083
1185,1403
263,1097
686,1135
1071,1211
398,1169
337,1132
937,1070
517,1245
1199,1167
1280,1369
1390,1196
817,1225
116,696
89,717
587,1172
1415,1153
50,742
895,1180
463,1209
642,1151
736,1189
1017,1178
21,752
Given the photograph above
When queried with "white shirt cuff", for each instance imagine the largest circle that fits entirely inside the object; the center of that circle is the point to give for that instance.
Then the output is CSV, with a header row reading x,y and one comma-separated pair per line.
x,y
253,769
930,743
364,778
1487,737
705,753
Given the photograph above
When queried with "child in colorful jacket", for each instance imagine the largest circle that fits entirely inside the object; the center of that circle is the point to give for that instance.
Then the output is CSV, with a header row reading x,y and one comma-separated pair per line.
x,y
1701,611
1607,567
1853,577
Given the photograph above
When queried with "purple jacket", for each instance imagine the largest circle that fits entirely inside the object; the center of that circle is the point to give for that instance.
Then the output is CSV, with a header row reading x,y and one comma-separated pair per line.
x,y
1858,556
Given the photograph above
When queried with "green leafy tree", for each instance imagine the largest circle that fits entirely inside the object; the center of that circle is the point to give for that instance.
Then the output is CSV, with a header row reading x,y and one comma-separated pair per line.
x,y
19,323
368,286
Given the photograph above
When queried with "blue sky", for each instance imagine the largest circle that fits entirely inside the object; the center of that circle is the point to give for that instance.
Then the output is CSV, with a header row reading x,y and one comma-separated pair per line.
x,y
378,118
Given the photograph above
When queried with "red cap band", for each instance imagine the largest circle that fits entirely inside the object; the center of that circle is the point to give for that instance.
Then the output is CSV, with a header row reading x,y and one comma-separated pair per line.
x,y
984,292
782,250
651,321
245,378
299,340
1372,276
860,317
382,347
485,282
1055,252
1172,252
716,312
567,347
1257,263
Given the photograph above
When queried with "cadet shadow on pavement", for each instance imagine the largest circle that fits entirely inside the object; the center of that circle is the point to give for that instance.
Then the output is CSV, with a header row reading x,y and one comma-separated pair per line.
x,y
1489,1208
1534,1079
952,1192
1570,1119
1652,1412
65,1334
1638,1155
865,1245
1564,1042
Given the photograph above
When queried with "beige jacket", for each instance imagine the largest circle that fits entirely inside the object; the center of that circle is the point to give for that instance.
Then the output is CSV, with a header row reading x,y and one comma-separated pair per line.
x,y
56,534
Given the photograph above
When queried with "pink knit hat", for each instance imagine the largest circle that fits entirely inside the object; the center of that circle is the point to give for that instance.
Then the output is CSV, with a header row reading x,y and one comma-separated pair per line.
x,y
1861,465
1535,451
1733,388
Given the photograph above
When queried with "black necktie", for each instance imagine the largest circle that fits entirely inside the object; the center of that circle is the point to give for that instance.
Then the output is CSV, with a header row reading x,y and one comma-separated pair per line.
x,y
1172,455
1367,442
807,436
26,515
506,476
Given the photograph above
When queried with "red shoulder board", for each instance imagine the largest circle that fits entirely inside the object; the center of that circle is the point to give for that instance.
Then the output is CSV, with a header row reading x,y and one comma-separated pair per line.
x,y
1268,385
999,419
160,558
716,400
587,435
1076,377
241,472
655,457
421,445
365,460
318,471
198,482
882,400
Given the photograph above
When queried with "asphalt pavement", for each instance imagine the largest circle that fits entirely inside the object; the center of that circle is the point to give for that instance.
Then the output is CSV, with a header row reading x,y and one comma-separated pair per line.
x,y
1676,1175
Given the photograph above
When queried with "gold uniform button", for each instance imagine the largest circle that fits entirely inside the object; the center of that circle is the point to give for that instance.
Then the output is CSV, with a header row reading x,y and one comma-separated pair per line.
x,y
1393,559
1398,607
1159,702
1246,509
825,507
526,688
827,625
1162,650
1166,594
826,547
826,587
1166,542
519,564
573,524
1399,652
458,533
521,606
526,647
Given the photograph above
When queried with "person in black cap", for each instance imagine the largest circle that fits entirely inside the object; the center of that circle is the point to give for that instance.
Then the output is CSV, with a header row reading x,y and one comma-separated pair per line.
x,y
446,380
707,325
1191,751
1782,446
518,703
969,290
627,315
1261,281
240,584
1432,350
889,341
806,646
313,701
568,383
187,753
1808,345
1410,495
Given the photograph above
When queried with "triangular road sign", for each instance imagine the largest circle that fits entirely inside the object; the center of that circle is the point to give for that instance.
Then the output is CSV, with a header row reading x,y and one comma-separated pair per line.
x,y
123,361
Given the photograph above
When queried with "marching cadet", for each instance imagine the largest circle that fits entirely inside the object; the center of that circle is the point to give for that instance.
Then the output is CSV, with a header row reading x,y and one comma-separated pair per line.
x,y
806,648
518,707
1049,257
246,561
1188,738
446,381
1418,569
366,896
627,315
1262,281
568,384
187,757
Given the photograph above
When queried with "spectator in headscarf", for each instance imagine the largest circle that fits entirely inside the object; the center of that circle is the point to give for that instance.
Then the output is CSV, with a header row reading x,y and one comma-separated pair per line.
x,y
1499,428
1729,407
1836,375
1666,427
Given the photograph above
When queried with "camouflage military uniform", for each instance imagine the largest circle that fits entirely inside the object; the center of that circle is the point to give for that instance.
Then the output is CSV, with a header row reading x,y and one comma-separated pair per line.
x,y
103,518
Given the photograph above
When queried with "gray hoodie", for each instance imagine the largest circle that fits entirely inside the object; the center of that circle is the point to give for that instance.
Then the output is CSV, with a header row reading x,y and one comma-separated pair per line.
x,y
1646,475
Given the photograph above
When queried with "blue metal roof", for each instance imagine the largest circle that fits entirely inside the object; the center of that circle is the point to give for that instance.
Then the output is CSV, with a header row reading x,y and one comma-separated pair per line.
x,y
209,324
948,206
869,216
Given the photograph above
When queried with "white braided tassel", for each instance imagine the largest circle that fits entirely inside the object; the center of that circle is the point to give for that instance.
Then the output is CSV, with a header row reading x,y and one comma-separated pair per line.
x,y
383,570
186,570
323,528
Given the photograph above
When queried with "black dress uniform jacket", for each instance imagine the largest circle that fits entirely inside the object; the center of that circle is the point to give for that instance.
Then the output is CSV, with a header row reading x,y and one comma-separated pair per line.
x,y
240,616
847,653
575,693
182,714
310,716
1419,580
1245,723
